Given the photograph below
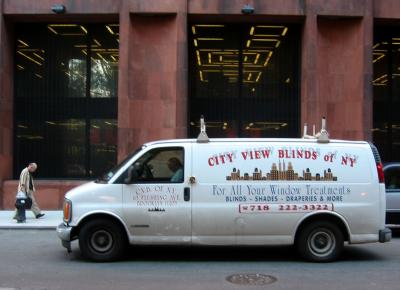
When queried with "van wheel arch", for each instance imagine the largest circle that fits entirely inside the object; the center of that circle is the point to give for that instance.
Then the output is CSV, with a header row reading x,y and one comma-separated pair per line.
x,y
324,217
320,238
77,229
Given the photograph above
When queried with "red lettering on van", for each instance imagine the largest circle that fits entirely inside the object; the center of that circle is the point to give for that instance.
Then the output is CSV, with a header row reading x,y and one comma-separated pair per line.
x,y
346,160
265,153
230,157
211,161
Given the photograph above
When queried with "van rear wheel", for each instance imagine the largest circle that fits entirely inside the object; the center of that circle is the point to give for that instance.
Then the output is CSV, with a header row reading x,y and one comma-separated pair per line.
x,y
320,242
102,240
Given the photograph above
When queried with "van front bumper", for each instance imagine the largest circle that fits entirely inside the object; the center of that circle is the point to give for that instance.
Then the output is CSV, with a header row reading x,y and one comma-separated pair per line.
x,y
385,235
64,233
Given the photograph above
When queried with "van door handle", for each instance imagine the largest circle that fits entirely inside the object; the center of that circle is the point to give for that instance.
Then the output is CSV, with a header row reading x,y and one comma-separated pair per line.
x,y
186,194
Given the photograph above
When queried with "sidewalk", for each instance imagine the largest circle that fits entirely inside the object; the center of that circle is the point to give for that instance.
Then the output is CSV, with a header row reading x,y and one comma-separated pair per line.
x,y
51,220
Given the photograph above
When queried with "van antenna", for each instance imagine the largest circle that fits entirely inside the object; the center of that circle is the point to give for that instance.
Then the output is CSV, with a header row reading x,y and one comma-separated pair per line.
x,y
202,138
323,135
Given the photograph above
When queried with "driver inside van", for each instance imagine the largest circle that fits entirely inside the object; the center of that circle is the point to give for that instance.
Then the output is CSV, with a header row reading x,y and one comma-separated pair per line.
x,y
176,166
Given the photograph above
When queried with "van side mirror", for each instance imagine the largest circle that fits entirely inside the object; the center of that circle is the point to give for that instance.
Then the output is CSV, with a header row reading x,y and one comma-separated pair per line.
x,y
133,173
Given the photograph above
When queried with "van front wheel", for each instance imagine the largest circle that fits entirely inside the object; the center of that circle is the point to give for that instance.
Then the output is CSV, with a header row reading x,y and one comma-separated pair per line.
x,y
320,242
101,240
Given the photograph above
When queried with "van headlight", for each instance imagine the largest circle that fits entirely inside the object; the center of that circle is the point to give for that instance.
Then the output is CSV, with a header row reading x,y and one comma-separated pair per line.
x,y
67,210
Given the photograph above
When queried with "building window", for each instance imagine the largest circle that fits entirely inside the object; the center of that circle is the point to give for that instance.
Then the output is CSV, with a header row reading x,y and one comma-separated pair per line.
x,y
386,86
65,102
244,79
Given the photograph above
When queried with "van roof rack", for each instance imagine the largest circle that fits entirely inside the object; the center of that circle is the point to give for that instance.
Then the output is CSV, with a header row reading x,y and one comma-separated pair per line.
x,y
202,138
321,137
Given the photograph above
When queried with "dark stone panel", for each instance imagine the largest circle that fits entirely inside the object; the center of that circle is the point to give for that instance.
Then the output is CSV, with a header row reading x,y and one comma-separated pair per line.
x,y
157,7
42,7
261,7
344,8
387,9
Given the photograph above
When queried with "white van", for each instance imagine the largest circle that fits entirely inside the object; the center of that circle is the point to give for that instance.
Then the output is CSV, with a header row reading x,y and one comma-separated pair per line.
x,y
313,193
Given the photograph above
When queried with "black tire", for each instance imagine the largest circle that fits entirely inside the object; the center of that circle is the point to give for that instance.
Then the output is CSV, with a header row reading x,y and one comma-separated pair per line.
x,y
102,240
320,242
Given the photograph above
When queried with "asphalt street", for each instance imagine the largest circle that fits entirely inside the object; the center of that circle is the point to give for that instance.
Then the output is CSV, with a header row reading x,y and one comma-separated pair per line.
x,y
34,259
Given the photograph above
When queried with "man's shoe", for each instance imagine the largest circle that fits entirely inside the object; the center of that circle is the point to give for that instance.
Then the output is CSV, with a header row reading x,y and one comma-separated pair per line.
x,y
20,221
15,217
39,215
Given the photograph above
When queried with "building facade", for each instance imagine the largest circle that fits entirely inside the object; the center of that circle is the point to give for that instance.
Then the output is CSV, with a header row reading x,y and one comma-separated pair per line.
x,y
83,82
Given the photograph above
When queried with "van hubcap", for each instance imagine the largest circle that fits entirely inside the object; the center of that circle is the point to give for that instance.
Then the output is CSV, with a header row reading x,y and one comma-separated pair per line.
x,y
101,241
321,243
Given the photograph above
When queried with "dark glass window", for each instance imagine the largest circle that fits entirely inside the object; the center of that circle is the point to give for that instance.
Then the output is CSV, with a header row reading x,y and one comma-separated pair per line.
x,y
161,165
244,80
392,178
66,78
386,86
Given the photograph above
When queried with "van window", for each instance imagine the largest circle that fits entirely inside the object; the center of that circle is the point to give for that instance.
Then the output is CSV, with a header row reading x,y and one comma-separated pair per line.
x,y
159,165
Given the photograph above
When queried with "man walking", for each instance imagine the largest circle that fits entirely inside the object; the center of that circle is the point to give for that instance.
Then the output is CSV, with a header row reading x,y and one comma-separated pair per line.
x,y
26,185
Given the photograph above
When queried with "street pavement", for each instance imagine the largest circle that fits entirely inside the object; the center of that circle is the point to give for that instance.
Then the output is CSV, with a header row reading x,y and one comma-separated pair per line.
x,y
32,258
50,220
35,260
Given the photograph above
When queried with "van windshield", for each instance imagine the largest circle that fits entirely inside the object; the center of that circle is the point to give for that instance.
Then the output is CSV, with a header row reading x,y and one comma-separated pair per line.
x,y
109,174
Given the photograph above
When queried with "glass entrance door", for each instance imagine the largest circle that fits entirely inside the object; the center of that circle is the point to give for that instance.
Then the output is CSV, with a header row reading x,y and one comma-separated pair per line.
x,y
244,80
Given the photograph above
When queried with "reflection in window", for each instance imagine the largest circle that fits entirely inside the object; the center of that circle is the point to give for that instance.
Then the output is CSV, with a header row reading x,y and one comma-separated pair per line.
x,y
244,79
65,98
103,82
104,63
163,165
76,80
